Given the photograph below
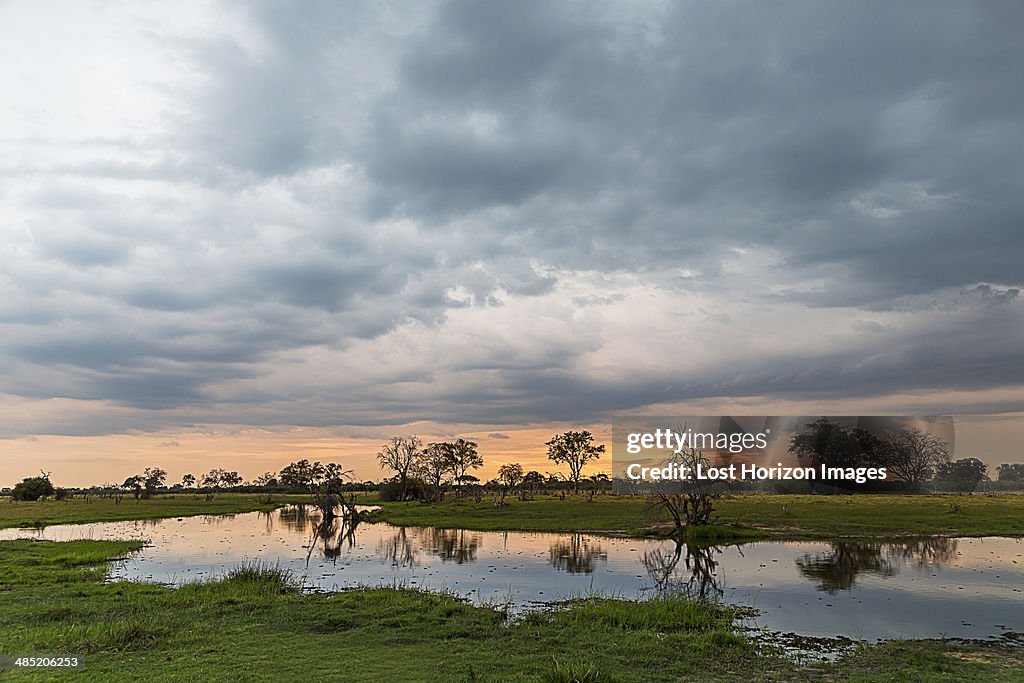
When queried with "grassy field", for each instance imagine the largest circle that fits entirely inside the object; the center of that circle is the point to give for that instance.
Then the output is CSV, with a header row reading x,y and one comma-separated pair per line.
x,y
95,509
742,516
255,624
781,516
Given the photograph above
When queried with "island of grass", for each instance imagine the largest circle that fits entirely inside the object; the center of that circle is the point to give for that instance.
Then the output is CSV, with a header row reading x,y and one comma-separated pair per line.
x,y
256,620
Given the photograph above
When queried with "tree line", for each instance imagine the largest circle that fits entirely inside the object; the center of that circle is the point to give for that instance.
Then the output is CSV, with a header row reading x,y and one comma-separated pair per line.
x,y
916,457
417,471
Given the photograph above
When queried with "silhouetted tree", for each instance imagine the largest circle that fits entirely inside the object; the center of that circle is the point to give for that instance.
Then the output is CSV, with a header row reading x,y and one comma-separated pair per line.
x,y
687,501
265,479
913,455
400,455
464,457
1010,471
301,474
574,449
433,466
961,475
152,479
33,488
229,478
134,485
828,443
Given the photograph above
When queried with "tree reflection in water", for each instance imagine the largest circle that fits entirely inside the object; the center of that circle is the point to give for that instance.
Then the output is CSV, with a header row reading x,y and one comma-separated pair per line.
x,y
577,555
298,517
450,545
332,535
838,568
695,577
397,549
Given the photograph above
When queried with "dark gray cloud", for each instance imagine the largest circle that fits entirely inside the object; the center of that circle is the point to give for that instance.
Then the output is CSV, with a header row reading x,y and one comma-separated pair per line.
x,y
338,214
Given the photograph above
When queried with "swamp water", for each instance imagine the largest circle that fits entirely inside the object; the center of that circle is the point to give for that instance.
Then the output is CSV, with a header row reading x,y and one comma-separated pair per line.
x,y
952,587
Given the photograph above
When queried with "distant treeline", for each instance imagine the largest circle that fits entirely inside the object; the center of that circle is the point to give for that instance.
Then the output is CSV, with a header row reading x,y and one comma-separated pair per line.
x,y
426,472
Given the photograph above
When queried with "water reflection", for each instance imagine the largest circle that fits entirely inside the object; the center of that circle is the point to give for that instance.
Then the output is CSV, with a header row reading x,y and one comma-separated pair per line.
x,y
334,535
697,577
577,554
403,547
970,588
451,545
297,517
838,568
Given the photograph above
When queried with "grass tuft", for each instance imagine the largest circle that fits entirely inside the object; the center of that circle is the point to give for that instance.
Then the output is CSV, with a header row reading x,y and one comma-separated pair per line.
x,y
261,577
575,672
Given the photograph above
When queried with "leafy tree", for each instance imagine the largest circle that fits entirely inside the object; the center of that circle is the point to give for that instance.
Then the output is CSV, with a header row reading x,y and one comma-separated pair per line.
x,y
400,455
574,449
510,475
265,479
433,465
188,481
1010,471
333,472
212,479
464,457
230,478
134,484
828,443
961,475
33,488
301,474
533,479
152,479
913,455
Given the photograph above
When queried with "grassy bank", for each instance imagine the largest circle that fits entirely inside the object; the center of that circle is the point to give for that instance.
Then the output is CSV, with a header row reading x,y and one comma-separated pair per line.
x,y
783,516
95,509
255,621
739,517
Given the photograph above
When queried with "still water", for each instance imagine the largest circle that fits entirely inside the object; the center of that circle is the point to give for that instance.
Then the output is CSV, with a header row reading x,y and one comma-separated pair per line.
x,y
967,587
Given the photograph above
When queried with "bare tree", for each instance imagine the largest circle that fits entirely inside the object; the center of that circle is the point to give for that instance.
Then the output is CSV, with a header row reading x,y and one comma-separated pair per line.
x,y
913,455
687,501
574,449
400,455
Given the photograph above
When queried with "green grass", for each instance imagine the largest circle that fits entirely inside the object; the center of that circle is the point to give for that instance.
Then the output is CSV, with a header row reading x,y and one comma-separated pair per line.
x,y
254,624
80,510
738,516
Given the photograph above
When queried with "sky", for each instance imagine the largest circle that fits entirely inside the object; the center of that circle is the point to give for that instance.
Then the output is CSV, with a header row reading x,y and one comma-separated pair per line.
x,y
236,233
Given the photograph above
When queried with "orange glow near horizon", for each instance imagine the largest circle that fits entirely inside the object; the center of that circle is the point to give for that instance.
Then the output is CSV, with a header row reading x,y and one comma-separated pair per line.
x,y
91,460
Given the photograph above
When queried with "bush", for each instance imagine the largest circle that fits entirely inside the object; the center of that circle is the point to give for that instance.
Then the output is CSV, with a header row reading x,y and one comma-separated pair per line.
x,y
61,493
392,490
32,488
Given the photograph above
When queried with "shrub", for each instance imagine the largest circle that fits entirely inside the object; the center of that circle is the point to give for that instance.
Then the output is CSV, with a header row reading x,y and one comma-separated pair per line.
x,y
32,488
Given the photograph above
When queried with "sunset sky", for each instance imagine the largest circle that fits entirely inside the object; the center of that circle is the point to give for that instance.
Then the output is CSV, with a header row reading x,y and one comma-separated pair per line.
x,y
237,234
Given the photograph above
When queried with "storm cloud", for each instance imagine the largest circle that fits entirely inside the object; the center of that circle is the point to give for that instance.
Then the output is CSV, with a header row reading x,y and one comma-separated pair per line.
x,y
345,214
